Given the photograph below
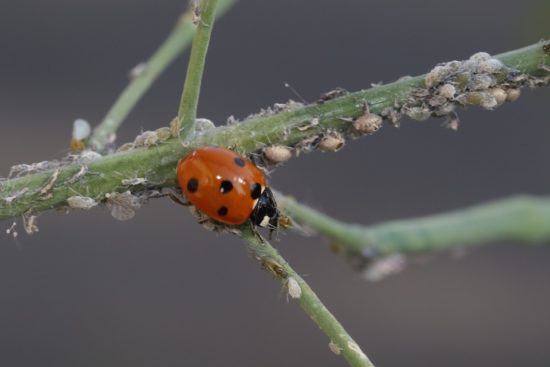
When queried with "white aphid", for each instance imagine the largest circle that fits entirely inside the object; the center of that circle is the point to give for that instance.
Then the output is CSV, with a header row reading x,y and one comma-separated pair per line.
x,y
81,129
294,289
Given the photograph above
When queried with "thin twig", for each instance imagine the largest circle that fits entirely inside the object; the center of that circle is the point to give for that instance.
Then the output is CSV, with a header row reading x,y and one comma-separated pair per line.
x,y
523,218
340,341
176,42
156,164
187,112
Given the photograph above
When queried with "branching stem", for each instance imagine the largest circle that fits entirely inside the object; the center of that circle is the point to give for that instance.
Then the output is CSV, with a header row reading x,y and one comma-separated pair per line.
x,y
341,341
156,164
522,218
176,42
187,112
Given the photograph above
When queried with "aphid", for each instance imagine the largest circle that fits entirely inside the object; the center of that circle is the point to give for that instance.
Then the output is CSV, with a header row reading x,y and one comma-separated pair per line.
x,y
146,139
332,142
81,132
272,266
277,153
227,187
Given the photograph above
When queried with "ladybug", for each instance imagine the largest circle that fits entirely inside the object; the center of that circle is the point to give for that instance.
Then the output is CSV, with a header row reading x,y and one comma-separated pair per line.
x,y
227,187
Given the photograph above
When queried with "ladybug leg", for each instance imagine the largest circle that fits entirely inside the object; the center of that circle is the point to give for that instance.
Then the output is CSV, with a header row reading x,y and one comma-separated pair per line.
x,y
175,197
274,226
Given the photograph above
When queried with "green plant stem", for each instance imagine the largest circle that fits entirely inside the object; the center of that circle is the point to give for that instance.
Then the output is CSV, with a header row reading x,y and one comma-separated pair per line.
x,y
176,42
308,300
157,163
522,218
187,112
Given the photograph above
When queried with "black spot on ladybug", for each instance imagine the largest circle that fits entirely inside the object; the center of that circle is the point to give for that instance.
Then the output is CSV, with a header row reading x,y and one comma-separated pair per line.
x,y
255,190
226,186
192,185
239,162
222,211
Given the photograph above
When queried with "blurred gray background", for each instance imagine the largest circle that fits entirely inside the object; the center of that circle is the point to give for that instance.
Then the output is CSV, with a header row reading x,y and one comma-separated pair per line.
x,y
160,291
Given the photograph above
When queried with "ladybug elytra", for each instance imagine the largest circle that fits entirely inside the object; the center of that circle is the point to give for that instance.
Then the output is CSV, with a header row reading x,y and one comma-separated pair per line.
x,y
227,187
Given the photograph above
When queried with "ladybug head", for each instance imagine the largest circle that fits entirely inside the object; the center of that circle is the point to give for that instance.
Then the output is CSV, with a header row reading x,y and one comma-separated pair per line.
x,y
265,213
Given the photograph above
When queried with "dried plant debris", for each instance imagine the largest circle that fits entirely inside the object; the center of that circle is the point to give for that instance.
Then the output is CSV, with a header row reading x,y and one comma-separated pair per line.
x,y
384,267
122,205
16,195
392,114
309,124
81,202
134,181
11,231
308,144
291,105
27,169
77,176
83,158
232,120
29,223
86,156
334,348
45,191
452,122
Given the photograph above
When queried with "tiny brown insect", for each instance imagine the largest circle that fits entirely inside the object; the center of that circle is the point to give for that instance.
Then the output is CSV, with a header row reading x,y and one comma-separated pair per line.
x,y
336,92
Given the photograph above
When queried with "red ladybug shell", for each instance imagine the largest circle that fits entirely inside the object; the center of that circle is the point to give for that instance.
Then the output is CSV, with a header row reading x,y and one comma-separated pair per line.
x,y
221,184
